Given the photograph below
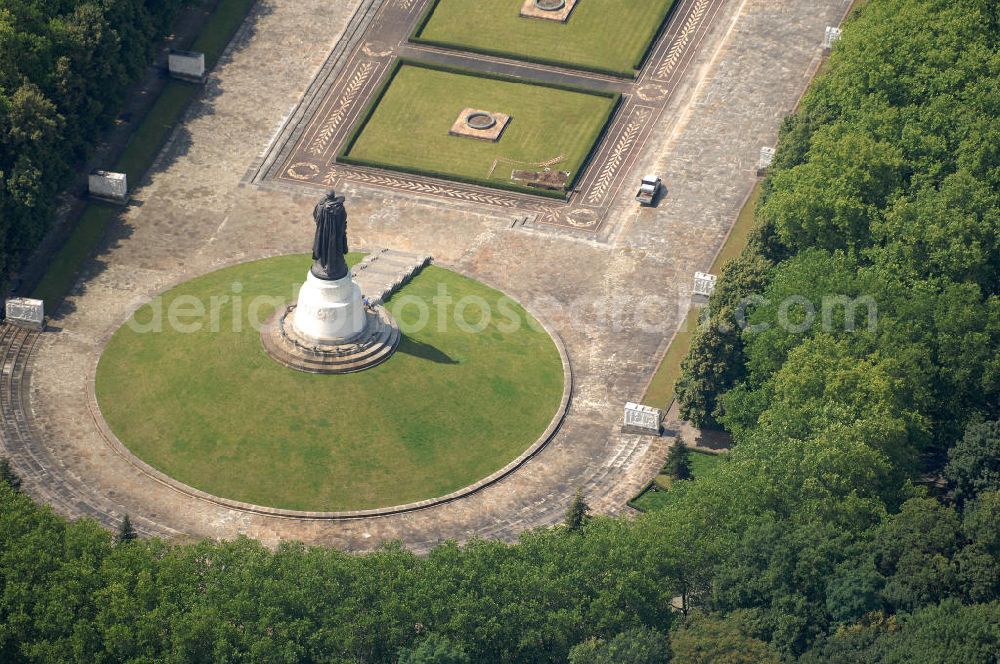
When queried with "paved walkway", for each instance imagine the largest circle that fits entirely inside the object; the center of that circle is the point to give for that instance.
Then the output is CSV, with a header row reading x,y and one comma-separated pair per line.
x,y
139,100
614,298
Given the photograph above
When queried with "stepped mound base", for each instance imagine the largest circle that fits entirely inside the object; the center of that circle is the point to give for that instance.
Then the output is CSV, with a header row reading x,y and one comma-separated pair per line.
x,y
373,345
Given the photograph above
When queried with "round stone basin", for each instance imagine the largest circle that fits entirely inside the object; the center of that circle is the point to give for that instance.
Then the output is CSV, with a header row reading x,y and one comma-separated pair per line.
x,y
550,5
480,121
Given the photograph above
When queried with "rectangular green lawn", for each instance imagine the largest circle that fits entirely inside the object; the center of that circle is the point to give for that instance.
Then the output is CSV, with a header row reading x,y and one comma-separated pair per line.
x,y
408,128
607,36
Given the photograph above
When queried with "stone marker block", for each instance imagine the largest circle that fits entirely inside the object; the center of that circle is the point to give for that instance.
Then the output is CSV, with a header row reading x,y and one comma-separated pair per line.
x,y
26,312
831,37
704,283
187,65
765,161
552,10
108,186
642,419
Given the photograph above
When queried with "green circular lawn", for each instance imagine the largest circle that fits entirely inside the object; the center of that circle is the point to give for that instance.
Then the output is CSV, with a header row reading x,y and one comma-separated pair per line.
x,y
195,396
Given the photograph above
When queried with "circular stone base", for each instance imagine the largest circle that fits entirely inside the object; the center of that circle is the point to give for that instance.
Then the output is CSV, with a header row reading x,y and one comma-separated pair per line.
x,y
374,345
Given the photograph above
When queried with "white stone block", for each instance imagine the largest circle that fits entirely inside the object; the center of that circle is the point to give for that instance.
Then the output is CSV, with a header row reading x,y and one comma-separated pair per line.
x,y
831,37
704,283
187,65
766,158
108,185
642,418
26,312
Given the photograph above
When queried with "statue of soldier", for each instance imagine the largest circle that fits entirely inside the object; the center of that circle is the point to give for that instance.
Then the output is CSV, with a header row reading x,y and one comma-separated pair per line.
x,y
330,243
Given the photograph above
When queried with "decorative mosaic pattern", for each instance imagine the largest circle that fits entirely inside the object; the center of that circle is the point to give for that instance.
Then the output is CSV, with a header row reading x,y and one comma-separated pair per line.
x,y
305,153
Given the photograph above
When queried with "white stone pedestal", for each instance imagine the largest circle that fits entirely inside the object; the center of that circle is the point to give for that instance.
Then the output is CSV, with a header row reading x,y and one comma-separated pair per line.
x,y
330,330
329,311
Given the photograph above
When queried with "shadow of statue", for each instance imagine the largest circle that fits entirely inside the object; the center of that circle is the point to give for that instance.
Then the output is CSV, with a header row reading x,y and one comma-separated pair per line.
x,y
423,351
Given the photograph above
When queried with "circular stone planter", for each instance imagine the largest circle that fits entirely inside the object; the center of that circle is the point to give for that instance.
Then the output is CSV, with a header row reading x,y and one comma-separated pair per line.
x,y
480,121
212,416
550,5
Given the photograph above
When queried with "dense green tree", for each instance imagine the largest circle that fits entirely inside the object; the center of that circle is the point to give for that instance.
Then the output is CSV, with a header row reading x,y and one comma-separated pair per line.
x,y
578,511
946,633
944,230
977,574
126,531
636,646
978,563
981,522
914,551
853,590
974,462
713,365
887,167
434,649
715,362
863,642
712,639
33,129
830,200
8,475
64,70
678,464
824,388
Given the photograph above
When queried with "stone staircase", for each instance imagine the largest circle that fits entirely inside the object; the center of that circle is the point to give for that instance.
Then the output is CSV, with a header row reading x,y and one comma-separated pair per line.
x,y
384,271
606,489
45,477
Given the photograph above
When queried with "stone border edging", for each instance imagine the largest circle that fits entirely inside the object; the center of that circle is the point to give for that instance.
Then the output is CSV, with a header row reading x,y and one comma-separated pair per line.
x,y
122,451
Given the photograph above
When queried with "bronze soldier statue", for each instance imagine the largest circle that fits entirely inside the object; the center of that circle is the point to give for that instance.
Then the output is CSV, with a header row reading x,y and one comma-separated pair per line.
x,y
330,243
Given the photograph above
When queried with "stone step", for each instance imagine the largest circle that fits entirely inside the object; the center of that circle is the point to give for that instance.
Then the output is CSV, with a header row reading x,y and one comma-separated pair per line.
x,y
378,344
371,355
395,261
21,442
384,271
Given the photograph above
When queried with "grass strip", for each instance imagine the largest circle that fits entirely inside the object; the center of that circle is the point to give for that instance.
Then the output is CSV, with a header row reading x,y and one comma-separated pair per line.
x,y
660,391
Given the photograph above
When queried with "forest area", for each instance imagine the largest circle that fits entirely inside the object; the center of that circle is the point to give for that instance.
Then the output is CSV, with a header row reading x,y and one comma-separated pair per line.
x,y
856,519
65,66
